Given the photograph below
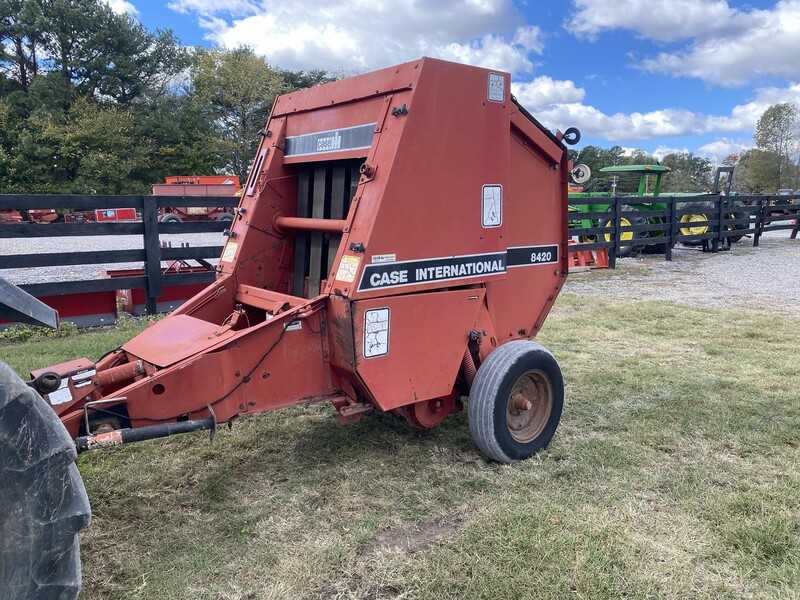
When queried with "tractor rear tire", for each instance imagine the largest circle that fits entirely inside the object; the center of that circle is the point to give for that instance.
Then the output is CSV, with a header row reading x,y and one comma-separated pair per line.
x,y
170,218
704,212
632,236
43,503
516,401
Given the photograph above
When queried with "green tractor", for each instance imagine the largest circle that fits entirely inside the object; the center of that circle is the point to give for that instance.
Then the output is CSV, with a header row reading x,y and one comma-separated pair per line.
x,y
644,200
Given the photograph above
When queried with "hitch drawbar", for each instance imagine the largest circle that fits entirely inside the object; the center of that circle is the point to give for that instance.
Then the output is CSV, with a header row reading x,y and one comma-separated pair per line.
x,y
140,434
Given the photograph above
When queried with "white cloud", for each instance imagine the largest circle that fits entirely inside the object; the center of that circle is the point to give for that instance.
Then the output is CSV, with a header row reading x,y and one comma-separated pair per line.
x,y
661,151
545,91
356,35
122,6
559,104
728,46
210,7
663,20
719,150
495,52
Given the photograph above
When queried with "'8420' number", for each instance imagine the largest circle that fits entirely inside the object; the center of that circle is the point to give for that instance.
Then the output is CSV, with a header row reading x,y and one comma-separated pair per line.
x,y
543,256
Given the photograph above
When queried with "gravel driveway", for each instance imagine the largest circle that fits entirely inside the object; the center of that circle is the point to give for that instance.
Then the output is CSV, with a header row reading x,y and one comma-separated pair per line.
x,y
745,277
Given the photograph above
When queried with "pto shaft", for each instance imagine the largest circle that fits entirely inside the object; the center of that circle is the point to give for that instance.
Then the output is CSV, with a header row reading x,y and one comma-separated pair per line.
x,y
140,434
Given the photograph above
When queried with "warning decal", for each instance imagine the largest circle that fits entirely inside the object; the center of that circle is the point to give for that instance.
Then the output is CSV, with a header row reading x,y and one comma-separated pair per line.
x,y
492,206
431,270
497,88
229,252
376,332
348,267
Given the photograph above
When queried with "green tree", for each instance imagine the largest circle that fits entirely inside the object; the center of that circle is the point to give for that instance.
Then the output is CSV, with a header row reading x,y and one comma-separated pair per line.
x,y
775,136
239,87
755,172
91,101
689,173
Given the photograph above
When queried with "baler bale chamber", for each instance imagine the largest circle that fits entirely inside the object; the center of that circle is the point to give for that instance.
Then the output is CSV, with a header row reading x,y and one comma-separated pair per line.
x,y
400,239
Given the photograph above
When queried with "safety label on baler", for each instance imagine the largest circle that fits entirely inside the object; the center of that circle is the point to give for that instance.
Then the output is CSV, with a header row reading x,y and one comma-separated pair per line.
x,y
430,270
376,332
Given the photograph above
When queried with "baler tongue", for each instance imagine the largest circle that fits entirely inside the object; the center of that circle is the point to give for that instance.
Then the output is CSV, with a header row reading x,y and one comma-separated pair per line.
x,y
169,341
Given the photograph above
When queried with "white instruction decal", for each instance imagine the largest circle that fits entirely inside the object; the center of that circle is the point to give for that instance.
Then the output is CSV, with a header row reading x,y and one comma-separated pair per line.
x,y
497,87
230,252
63,394
379,259
348,267
60,396
294,326
492,206
376,332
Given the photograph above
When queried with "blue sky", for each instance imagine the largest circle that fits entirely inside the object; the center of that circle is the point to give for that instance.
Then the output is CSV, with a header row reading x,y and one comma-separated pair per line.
x,y
650,74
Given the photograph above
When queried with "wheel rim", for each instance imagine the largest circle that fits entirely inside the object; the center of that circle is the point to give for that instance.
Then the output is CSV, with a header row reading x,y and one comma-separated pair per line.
x,y
529,406
697,229
625,236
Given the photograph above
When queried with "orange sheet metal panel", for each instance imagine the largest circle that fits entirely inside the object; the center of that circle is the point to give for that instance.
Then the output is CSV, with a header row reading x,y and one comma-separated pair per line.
x,y
409,348
533,224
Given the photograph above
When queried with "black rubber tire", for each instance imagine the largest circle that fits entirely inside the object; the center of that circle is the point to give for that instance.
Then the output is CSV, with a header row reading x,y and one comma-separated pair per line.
x,y
706,209
631,249
226,217
43,503
490,393
170,219
742,222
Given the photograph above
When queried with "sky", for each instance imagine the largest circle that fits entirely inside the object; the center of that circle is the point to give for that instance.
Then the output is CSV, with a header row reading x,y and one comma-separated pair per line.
x,y
657,75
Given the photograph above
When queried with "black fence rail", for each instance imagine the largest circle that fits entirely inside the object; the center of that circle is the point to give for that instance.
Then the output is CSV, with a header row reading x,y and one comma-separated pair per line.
x,y
151,254
655,225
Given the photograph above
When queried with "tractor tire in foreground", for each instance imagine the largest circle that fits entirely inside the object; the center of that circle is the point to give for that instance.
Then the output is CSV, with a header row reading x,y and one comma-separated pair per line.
x,y
43,504
515,402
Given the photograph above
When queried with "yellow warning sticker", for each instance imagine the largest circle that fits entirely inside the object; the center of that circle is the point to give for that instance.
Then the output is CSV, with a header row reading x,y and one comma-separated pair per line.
x,y
348,268
229,252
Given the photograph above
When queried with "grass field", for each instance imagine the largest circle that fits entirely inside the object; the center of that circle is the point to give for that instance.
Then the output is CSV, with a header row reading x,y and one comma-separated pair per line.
x,y
675,474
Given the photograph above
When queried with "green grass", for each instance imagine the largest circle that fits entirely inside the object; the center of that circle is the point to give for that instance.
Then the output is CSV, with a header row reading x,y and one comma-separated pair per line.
x,y
675,474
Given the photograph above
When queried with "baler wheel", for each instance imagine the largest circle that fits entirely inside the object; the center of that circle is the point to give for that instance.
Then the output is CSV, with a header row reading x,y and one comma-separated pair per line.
x,y
516,401
43,504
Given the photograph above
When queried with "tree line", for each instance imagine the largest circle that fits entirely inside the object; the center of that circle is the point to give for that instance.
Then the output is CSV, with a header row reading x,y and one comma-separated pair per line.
x,y
92,102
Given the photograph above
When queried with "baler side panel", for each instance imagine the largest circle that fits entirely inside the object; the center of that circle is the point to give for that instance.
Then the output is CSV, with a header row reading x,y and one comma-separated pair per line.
x,y
425,336
425,199
536,217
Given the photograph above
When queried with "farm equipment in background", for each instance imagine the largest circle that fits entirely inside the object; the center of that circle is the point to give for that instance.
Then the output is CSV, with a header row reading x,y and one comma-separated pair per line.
x,y
644,173
197,185
33,215
644,208
389,227
102,215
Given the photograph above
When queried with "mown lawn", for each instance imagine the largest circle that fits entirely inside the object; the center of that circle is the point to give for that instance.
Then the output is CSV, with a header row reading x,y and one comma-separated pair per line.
x,y
675,474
